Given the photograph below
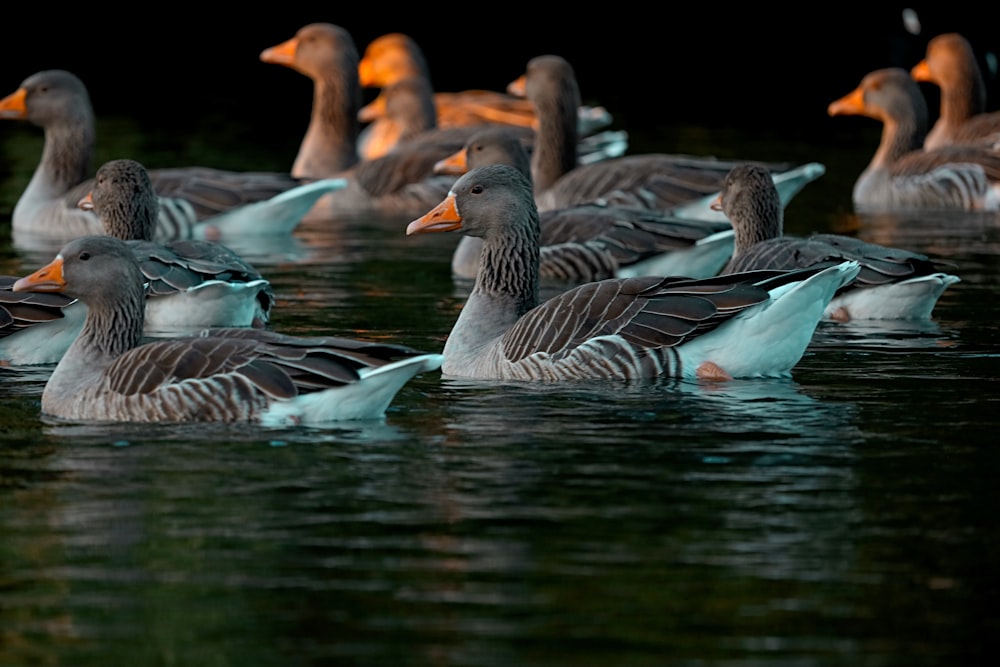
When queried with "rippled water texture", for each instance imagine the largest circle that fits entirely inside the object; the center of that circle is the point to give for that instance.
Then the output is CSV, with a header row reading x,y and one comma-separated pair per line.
x,y
846,516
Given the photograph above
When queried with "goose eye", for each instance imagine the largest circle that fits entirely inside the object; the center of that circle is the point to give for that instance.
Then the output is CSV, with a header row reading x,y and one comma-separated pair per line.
x,y
477,189
84,256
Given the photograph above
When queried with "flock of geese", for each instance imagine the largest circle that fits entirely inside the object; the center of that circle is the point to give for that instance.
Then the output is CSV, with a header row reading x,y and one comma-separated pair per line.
x,y
668,265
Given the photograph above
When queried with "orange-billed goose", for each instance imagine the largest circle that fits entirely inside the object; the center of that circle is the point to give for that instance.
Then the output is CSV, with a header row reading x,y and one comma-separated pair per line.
x,y
226,375
396,56
196,202
950,64
757,324
400,181
893,283
650,180
192,283
902,174
586,242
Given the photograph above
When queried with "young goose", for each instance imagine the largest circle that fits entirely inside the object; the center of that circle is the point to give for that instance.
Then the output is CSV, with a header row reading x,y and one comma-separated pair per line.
x,y
394,57
902,175
745,325
893,283
228,375
587,242
951,65
195,202
192,283
648,180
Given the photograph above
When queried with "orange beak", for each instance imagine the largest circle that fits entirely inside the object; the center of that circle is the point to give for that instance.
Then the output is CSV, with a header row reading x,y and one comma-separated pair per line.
x,y
13,105
282,54
716,204
49,278
457,163
442,218
518,87
851,104
922,72
86,202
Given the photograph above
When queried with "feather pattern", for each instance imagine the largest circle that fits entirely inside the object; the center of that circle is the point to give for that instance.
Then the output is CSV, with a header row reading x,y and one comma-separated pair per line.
x,y
892,283
620,328
227,375
652,180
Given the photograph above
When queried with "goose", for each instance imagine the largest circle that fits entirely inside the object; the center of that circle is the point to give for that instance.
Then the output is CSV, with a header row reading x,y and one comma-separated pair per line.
x,y
195,202
950,64
192,283
396,56
893,283
227,375
590,241
400,181
755,324
902,175
648,180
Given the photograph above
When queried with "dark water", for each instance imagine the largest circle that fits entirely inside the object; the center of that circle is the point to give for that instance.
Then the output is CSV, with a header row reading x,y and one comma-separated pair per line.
x,y
847,516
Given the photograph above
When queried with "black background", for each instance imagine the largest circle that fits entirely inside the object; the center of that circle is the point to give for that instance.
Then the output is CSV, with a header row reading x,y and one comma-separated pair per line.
x,y
778,66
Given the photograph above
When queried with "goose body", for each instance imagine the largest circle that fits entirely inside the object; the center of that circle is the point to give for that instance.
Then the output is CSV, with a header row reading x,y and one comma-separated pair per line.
x,y
950,64
902,174
192,283
648,180
46,212
226,375
893,283
393,57
587,242
757,324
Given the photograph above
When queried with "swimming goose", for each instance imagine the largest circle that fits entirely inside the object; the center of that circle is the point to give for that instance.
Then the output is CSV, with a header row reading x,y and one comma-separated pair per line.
x,y
587,242
902,175
400,181
951,65
196,202
396,56
757,324
648,180
192,283
893,283
226,375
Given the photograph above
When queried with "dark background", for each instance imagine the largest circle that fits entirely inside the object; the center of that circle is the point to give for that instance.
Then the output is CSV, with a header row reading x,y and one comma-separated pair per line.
x,y
170,67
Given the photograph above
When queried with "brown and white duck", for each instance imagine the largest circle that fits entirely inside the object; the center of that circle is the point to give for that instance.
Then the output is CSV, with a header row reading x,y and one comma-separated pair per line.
x,y
902,175
587,242
893,283
195,202
950,64
756,324
224,375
